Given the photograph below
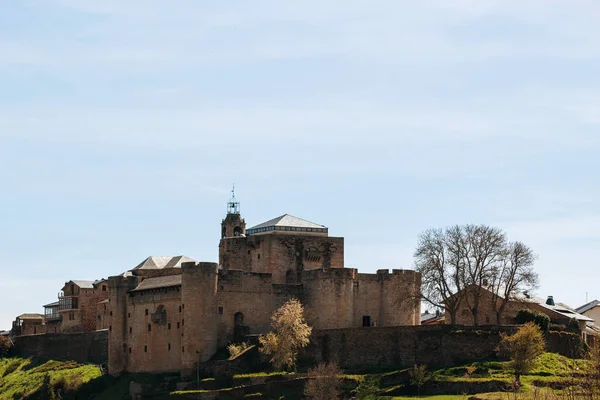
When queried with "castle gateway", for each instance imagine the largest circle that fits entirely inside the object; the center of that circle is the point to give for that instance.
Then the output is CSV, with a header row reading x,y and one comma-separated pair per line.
x,y
169,313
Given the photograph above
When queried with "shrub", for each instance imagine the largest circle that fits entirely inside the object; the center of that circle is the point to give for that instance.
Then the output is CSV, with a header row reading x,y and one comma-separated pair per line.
x,y
574,325
525,347
237,349
557,327
324,382
540,319
5,346
368,387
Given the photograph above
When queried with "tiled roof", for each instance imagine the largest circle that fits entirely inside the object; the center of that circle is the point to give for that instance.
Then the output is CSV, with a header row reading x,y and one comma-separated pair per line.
x,y
84,284
289,220
588,306
31,316
161,262
561,309
158,282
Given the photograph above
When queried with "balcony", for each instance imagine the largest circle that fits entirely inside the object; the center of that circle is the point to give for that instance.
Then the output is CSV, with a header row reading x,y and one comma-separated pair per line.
x,y
68,303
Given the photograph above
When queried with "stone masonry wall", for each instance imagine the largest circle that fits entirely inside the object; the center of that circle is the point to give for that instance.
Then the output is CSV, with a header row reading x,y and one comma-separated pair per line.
x,y
88,347
437,346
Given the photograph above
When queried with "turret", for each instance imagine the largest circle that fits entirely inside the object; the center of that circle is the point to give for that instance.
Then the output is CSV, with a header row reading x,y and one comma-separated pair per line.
x,y
233,225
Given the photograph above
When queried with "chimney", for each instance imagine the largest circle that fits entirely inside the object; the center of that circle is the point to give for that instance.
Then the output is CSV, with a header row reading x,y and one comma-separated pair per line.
x,y
550,301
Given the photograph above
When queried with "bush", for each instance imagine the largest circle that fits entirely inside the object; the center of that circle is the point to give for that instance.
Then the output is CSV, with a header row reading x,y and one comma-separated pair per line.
x,y
418,376
557,327
540,319
324,382
237,349
574,325
368,387
5,346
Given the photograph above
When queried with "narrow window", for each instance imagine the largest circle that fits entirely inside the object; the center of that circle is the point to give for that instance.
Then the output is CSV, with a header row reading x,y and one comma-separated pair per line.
x,y
259,256
179,308
130,350
110,328
104,288
183,306
145,349
130,330
129,315
146,311
110,313
149,328
220,310
169,346
182,320
178,325
169,325
182,349
248,251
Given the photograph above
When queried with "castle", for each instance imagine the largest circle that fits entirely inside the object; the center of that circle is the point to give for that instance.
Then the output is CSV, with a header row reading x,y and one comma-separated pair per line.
x,y
170,313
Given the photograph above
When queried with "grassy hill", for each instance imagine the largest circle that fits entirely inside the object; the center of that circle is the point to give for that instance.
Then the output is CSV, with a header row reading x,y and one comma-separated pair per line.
x,y
32,378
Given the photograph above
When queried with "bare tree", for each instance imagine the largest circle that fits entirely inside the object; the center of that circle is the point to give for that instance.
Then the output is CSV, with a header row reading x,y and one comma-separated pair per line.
x,y
512,275
324,382
462,262
437,258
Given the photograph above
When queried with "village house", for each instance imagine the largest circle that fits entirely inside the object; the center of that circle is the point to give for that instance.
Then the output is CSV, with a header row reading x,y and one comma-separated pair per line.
x,y
78,304
170,313
591,310
558,313
52,318
28,324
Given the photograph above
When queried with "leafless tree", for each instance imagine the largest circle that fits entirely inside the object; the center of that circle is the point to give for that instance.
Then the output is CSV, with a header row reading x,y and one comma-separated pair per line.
x,y
458,264
512,275
437,258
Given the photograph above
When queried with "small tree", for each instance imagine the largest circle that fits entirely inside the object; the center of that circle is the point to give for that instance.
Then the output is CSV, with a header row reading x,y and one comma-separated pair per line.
x,y
418,376
324,382
290,334
525,346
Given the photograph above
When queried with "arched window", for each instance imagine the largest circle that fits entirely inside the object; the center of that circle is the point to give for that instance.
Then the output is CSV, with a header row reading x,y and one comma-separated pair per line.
x,y
237,231
238,319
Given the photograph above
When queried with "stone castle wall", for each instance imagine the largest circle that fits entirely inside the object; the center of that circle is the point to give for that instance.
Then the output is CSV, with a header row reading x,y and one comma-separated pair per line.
x,y
87,347
284,256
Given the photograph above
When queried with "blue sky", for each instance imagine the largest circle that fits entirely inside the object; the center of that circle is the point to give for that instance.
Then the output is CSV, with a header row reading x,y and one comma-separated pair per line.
x,y
124,124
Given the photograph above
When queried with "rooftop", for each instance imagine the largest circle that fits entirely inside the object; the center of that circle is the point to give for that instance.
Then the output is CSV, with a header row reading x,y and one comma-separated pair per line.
x,y
158,282
287,222
161,262
31,316
55,304
587,306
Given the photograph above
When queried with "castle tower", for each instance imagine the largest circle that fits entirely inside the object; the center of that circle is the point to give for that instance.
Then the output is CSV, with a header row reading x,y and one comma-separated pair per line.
x,y
233,225
199,306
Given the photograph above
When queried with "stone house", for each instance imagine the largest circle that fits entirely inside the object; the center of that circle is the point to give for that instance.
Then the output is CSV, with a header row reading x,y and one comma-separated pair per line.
x,y
170,313
52,318
28,324
559,313
78,303
591,310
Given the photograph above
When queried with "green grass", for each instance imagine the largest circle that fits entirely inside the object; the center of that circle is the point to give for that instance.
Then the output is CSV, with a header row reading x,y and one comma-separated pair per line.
x,y
439,397
262,374
23,377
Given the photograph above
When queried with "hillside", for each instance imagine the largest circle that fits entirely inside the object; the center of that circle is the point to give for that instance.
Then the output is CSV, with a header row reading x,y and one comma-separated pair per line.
x,y
32,378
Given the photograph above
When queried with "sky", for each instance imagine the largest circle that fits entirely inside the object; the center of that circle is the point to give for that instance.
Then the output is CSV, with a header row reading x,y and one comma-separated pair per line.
x,y
124,124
